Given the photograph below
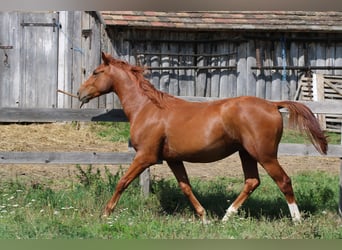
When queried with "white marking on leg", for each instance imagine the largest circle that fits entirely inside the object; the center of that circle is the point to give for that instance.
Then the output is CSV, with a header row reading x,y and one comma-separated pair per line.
x,y
230,211
294,211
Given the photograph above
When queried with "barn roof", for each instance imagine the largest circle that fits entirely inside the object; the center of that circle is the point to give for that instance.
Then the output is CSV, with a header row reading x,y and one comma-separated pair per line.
x,y
228,20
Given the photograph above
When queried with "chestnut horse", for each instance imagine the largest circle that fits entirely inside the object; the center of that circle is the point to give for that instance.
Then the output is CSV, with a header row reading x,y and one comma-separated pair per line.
x,y
167,128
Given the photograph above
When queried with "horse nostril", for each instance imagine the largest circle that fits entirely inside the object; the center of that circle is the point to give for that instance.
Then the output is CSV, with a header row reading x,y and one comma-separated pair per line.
x,y
78,93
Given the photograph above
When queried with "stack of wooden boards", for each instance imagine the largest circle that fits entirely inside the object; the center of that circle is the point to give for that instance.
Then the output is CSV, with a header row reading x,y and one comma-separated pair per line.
x,y
324,88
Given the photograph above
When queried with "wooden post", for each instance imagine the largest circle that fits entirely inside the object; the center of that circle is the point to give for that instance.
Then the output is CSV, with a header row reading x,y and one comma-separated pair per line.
x,y
340,203
144,180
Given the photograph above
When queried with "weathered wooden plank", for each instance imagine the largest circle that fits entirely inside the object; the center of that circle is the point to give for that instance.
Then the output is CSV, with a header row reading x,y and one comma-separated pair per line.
x,y
214,73
285,149
64,60
66,157
232,76
293,76
77,52
174,73
39,61
60,115
201,77
293,149
223,61
276,75
260,82
242,70
10,64
251,74
268,61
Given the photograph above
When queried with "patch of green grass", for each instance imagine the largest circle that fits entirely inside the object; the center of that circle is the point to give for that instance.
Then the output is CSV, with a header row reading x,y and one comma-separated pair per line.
x,y
38,212
112,131
294,136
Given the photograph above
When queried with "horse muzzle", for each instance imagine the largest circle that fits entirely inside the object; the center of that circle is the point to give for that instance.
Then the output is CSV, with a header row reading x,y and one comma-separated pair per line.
x,y
83,98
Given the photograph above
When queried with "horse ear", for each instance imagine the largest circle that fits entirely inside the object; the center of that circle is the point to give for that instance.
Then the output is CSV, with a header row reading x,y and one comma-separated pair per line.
x,y
105,58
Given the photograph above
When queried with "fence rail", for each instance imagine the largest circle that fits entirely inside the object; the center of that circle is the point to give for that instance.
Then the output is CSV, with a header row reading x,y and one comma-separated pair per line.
x,y
10,115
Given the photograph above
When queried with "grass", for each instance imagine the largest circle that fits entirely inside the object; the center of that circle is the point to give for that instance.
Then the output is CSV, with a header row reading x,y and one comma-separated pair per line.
x,y
293,136
35,211
112,131
38,212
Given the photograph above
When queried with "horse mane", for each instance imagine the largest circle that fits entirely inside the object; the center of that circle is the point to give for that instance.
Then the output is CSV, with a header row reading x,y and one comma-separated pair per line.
x,y
157,97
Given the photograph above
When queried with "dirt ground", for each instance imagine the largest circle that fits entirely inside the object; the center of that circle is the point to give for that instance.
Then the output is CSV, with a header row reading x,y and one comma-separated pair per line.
x,y
66,137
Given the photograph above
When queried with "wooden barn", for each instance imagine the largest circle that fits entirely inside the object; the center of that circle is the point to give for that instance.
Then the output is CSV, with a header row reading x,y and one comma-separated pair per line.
x,y
208,54
41,52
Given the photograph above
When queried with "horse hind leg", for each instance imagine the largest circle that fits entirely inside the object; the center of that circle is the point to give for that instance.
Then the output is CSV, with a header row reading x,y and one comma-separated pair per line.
x,y
179,171
252,181
283,181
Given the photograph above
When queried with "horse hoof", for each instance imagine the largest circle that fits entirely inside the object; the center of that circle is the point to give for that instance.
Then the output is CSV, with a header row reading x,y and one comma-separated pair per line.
x,y
206,222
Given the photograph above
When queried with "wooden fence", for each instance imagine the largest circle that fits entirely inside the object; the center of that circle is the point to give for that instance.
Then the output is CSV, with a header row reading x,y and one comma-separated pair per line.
x,y
116,158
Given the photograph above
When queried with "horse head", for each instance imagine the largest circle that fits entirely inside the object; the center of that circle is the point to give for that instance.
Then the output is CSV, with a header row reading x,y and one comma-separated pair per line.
x,y
99,83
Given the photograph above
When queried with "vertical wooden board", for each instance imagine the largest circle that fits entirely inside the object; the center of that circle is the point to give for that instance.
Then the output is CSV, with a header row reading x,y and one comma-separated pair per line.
x,y
232,76
260,85
320,57
65,60
268,61
285,73
191,61
154,61
276,75
183,80
338,57
311,50
319,88
224,61
215,73
260,82
5,76
77,53
301,62
251,74
293,77
330,56
242,70
174,62
39,61
165,79
207,62
10,63
201,76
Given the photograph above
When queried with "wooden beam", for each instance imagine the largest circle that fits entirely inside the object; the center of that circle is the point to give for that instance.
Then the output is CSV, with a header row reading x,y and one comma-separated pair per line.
x,y
293,149
127,157
117,115
60,115
115,158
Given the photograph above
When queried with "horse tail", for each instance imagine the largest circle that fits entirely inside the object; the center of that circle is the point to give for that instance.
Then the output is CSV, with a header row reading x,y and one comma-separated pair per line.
x,y
301,118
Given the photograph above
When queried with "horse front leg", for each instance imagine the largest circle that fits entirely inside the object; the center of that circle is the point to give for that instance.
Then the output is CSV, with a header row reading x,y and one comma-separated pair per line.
x,y
179,171
139,164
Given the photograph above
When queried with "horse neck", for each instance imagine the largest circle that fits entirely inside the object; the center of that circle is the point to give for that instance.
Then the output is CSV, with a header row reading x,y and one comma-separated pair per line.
x,y
130,96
